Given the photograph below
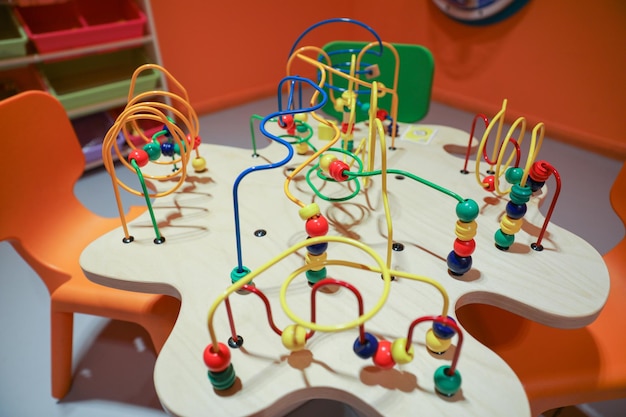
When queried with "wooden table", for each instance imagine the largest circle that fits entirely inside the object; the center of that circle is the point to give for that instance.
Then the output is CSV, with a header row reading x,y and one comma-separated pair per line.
x,y
565,285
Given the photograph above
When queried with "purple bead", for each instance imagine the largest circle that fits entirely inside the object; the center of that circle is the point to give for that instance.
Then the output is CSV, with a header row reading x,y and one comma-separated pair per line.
x,y
366,350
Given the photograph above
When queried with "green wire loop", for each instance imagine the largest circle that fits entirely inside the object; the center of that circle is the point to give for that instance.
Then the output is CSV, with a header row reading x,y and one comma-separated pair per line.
x,y
147,197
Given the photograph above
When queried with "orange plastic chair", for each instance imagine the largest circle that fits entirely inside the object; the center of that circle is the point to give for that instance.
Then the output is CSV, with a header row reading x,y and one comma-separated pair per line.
x,y
49,227
561,367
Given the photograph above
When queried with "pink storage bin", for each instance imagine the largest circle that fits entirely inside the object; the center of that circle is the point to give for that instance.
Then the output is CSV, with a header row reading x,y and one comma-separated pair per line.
x,y
77,23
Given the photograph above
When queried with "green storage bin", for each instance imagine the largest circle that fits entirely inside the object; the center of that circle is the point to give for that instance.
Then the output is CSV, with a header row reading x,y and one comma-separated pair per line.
x,y
13,38
94,79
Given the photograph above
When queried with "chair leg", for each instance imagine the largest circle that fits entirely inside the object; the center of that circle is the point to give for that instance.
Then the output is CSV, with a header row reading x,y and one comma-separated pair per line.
x,y
61,334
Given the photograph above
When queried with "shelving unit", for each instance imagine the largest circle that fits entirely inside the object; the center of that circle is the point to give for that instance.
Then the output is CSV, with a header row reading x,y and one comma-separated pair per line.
x,y
35,64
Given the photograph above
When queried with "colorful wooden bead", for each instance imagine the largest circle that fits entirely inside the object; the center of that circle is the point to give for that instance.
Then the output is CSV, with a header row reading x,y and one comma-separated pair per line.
x,y
294,337
167,148
515,211
153,150
336,170
383,358
399,352
198,164
447,384
325,161
301,148
436,344
503,240
318,248
465,230
367,348
467,210
316,226
309,211
458,265
514,175
442,330
140,157
510,226
309,259
519,194
316,275
489,183
286,121
223,380
217,361
464,247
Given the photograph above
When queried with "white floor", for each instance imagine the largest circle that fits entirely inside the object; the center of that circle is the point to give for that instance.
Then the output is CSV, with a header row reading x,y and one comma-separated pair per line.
x,y
113,362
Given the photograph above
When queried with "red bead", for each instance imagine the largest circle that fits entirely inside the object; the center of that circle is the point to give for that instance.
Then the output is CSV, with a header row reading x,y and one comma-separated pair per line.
x,y
381,115
336,168
316,226
539,172
286,122
382,358
489,183
217,361
196,142
464,247
140,156
344,128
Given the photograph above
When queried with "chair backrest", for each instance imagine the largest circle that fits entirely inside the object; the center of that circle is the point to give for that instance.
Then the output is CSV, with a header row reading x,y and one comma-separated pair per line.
x,y
415,77
41,162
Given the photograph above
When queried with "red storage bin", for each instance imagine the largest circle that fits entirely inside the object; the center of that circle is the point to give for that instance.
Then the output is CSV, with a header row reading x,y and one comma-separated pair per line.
x,y
77,23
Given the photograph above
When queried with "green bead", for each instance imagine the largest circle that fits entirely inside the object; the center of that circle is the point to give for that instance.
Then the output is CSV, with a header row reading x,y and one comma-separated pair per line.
x,y
503,240
153,150
514,175
236,274
520,195
314,276
467,210
223,380
445,384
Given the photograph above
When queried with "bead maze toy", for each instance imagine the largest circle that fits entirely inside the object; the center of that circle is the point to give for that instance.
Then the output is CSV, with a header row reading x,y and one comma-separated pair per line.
x,y
384,250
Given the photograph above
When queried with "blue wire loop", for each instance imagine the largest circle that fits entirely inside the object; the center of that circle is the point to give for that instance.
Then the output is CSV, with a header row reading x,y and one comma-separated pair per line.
x,y
290,110
338,20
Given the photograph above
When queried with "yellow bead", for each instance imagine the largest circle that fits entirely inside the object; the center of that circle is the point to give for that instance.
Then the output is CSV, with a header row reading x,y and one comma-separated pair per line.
x,y
466,231
511,226
294,337
302,148
339,103
435,344
399,353
325,161
198,164
316,258
309,211
303,117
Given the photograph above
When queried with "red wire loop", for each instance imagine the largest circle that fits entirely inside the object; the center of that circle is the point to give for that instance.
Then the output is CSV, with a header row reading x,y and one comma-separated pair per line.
x,y
469,143
447,322
332,281
546,167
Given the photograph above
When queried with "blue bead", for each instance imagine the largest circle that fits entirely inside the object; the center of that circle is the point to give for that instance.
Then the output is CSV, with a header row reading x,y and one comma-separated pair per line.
x,y
317,249
167,148
515,211
534,185
442,331
458,265
366,350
